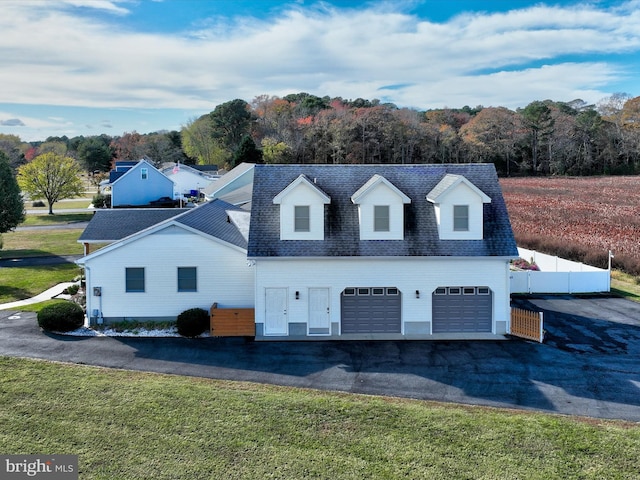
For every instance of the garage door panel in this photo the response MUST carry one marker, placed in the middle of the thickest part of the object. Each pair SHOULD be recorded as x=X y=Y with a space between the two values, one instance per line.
x=365 y=312
x=462 y=312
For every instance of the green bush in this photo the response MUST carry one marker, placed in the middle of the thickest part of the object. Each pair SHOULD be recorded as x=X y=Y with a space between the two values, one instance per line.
x=61 y=317
x=38 y=203
x=101 y=201
x=193 y=322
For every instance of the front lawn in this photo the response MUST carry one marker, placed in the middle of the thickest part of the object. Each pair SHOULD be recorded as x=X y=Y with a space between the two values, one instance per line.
x=18 y=283
x=132 y=425
x=34 y=243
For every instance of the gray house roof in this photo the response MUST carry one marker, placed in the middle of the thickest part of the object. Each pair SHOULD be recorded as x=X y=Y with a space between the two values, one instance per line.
x=111 y=225
x=342 y=231
x=213 y=218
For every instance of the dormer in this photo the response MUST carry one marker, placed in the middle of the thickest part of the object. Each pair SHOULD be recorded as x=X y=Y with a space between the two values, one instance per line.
x=380 y=210
x=302 y=210
x=459 y=208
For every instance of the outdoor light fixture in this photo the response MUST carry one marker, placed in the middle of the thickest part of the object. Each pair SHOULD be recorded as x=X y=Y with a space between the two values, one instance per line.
x=297 y=295
x=417 y=293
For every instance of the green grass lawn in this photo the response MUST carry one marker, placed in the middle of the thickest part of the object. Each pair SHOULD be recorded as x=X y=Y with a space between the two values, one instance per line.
x=18 y=283
x=625 y=285
x=130 y=425
x=33 y=220
x=33 y=243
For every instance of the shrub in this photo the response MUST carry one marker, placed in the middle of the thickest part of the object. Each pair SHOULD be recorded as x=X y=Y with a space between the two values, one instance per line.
x=193 y=322
x=72 y=289
x=61 y=317
x=38 y=203
x=101 y=201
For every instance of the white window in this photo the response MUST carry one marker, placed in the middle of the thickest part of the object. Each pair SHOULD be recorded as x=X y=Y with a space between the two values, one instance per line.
x=302 y=220
x=461 y=218
x=381 y=218
x=144 y=173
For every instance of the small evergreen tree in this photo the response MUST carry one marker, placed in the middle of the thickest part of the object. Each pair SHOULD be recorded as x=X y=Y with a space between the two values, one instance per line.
x=11 y=204
x=247 y=152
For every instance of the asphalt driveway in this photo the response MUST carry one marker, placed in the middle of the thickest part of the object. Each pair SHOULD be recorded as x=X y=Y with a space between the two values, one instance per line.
x=589 y=364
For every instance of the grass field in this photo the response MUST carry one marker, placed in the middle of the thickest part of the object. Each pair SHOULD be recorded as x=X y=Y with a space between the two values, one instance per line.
x=128 y=425
x=18 y=283
x=35 y=220
x=33 y=243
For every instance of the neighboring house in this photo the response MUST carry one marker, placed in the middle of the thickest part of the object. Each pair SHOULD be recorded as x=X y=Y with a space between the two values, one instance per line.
x=333 y=252
x=380 y=251
x=139 y=185
x=189 y=181
x=234 y=187
x=191 y=260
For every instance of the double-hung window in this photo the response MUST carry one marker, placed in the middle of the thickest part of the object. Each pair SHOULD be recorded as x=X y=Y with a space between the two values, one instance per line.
x=187 y=279
x=134 y=279
x=461 y=218
x=302 y=220
x=381 y=218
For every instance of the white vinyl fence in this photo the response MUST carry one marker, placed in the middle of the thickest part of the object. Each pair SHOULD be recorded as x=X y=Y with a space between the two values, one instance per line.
x=558 y=275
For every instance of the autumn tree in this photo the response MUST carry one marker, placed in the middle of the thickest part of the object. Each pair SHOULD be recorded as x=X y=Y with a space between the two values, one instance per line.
x=11 y=204
x=199 y=143
x=52 y=177
x=13 y=148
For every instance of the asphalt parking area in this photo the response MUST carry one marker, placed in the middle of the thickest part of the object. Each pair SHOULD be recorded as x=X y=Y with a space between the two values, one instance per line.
x=589 y=364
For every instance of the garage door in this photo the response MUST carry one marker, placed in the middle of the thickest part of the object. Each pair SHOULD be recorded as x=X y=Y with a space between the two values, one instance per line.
x=371 y=310
x=462 y=309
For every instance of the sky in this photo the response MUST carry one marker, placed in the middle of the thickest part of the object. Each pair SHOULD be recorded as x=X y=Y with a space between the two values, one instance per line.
x=91 y=67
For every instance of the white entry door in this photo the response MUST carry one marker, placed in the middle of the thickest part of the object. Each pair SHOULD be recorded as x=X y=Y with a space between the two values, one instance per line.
x=275 y=321
x=319 y=317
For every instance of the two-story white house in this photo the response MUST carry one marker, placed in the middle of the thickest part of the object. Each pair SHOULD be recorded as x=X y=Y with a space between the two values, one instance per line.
x=380 y=251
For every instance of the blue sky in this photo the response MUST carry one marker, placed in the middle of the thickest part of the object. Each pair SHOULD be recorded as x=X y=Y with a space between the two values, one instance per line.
x=86 y=67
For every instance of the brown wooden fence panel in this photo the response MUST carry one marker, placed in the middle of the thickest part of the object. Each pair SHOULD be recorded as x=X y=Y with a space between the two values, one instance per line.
x=232 y=322
x=527 y=324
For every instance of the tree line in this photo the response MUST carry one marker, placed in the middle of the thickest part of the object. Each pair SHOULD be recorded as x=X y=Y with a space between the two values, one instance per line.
x=544 y=138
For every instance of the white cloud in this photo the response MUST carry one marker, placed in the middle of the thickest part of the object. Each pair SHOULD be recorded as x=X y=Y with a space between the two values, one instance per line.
x=52 y=55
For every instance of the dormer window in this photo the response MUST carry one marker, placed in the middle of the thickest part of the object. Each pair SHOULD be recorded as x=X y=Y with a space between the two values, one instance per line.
x=380 y=210
x=381 y=218
x=461 y=218
x=302 y=220
x=302 y=210
x=459 y=208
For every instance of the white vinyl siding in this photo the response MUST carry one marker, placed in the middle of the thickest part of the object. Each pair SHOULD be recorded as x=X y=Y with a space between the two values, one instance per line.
x=407 y=275
x=223 y=275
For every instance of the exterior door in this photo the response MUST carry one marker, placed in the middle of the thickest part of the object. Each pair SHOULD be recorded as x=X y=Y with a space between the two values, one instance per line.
x=275 y=321
x=319 y=315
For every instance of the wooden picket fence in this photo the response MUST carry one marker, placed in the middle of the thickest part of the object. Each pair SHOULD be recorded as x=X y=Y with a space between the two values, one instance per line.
x=232 y=322
x=527 y=324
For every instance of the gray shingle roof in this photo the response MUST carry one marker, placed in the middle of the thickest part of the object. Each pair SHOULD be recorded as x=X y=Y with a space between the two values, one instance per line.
x=110 y=225
x=342 y=233
x=212 y=219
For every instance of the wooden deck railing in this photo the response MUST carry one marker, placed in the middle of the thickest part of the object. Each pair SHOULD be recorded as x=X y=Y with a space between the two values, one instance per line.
x=527 y=324
x=232 y=322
